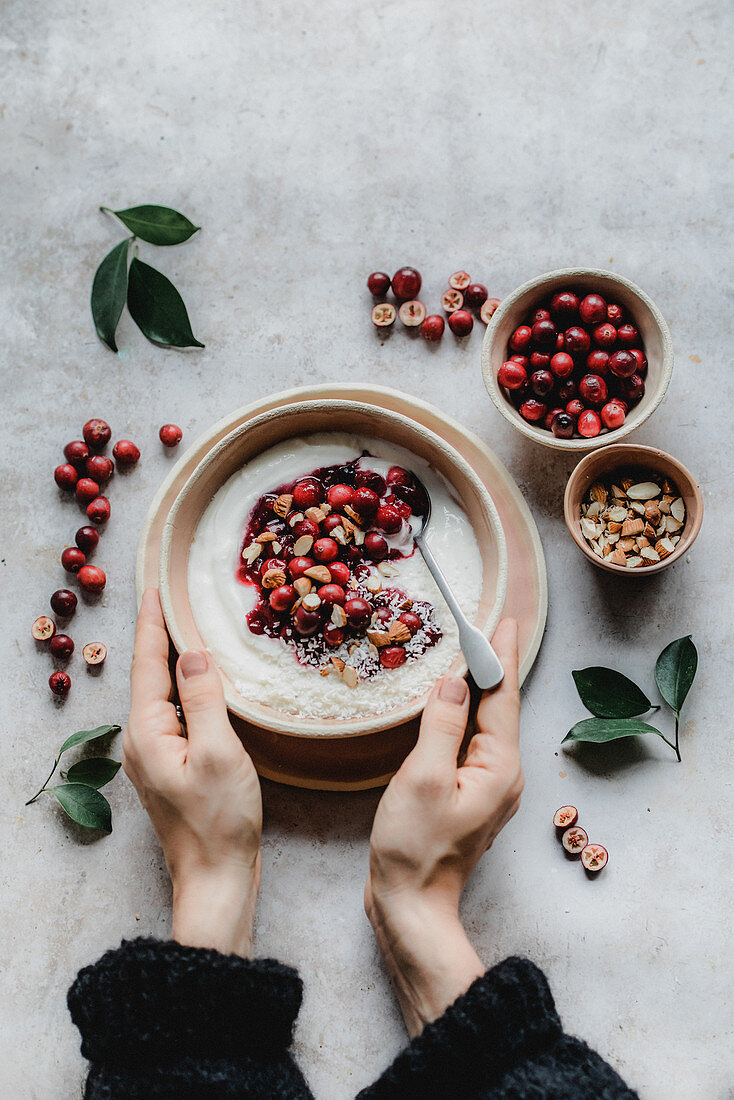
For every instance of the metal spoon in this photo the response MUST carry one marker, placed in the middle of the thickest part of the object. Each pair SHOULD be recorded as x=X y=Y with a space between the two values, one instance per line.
x=483 y=662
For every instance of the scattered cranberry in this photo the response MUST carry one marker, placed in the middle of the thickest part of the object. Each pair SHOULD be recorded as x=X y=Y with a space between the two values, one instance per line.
x=593 y=309
x=392 y=656
x=63 y=603
x=588 y=424
x=594 y=857
x=66 y=476
x=565 y=817
x=331 y=594
x=512 y=375
x=92 y=578
x=605 y=336
x=383 y=315
x=86 y=490
x=562 y=426
x=98 y=510
x=433 y=327
x=282 y=599
x=298 y=566
x=613 y=415
x=94 y=653
x=357 y=611
x=72 y=559
x=333 y=634
x=76 y=452
x=544 y=334
x=475 y=295
x=574 y=839
x=451 y=300
x=593 y=389
x=43 y=628
x=61 y=646
x=388 y=519
x=541 y=315
x=489 y=309
x=542 y=382
x=325 y=550
x=562 y=364
x=622 y=364
x=564 y=306
x=412 y=313
x=170 y=435
x=411 y=620
x=460 y=280
x=339 y=495
x=97 y=434
x=365 y=501
x=576 y=340
x=60 y=683
x=99 y=468
x=406 y=283
x=306 y=622
x=125 y=453
x=307 y=493
x=340 y=573
x=628 y=336
x=521 y=338
x=378 y=283
x=461 y=322
x=533 y=410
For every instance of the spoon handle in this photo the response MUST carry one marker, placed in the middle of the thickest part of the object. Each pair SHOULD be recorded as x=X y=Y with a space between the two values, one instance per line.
x=483 y=662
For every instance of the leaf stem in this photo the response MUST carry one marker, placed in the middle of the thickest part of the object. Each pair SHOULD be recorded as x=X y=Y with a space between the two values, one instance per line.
x=43 y=788
x=677 y=731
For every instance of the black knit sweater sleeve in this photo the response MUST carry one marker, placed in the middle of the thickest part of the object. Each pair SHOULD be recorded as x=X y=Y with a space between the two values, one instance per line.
x=158 y=1019
x=501 y=1039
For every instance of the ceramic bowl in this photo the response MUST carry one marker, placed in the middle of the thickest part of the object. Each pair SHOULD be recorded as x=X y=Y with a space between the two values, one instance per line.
x=513 y=311
x=628 y=457
x=263 y=432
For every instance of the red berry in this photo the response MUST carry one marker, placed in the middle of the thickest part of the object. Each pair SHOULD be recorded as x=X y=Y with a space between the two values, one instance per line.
x=86 y=490
x=72 y=559
x=451 y=300
x=562 y=426
x=542 y=382
x=460 y=280
x=613 y=415
x=576 y=340
x=76 y=452
x=60 y=683
x=541 y=315
x=521 y=337
x=396 y=475
x=282 y=599
x=94 y=653
x=271 y=563
x=125 y=453
x=365 y=501
x=325 y=550
x=565 y=817
x=593 y=309
x=574 y=839
x=475 y=295
x=99 y=468
x=61 y=646
x=533 y=410
x=615 y=314
x=562 y=364
x=339 y=495
x=411 y=620
x=92 y=578
x=489 y=309
x=622 y=364
x=412 y=313
x=593 y=389
x=383 y=315
x=170 y=435
x=539 y=360
x=512 y=375
x=628 y=335
x=63 y=603
x=641 y=360
x=97 y=434
x=388 y=519
x=588 y=424
x=594 y=857
x=632 y=388
x=306 y=622
x=378 y=283
x=375 y=547
x=333 y=634
x=43 y=628
x=370 y=479
x=298 y=566
x=357 y=611
x=331 y=594
x=433 y=327
x=332 y=520
x=406 y=283
x=307 y=493
x=550 y=417
x=98 y=510
x=392 y=656
x=564 y=306
x=544 y=334
x=305 y=527
x=566 y=389
x=340 y=573
x=461 y=322
x=605 y=336
x=523 y=360
x=597 y=362
x=66 y=476
x=575 y=407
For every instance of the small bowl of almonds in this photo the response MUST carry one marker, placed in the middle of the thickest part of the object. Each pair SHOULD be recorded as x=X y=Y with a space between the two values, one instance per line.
x=632 y=509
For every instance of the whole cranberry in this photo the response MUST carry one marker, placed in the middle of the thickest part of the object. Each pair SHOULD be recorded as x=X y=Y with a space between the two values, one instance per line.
x=521 y=337
x=333 y=634
x=397 y=475
x=615 y=314
x=325 y=550
x=76 y=452
x=339 y=495
x=125 y=453
x=588 y=424
x=413 y=622
x=378 y=283
x=305 y=527
x=358 y=612
x=86 y=490
x=512 y=375
x=563 y=426
x=533 y=410
x=392 y=656
x=523 y=360
x=97 y=434
x=628 y=336
x=641 y=361
x=66 y=476
x=461 y=322
x=560 y=341
x=632 y=388
x=539 y=360
x=622 y=364
x=98 y=510
x=388 y=519
x=384 y=615
x=60 y=683
x=566 y=389
x=475 y=295
x=605 y=336
x=271 y=563
x=562 y=364
x=334 y=519
x=332 y=593
x=597 y=362
x=99 y=468
x=575 y=407
x=306 y=622
x=365 y=501
x=63 y=603
x=340 y=573
x=92 y=578
x=593 y=309
x=613 y=415
x=541 y=315
x=298 y=566
x=61 y=646
x=576 y=340
x=406 y=283
x=544 y=334
x=593 y=389
x=375 y=547
x=282 y=599
x=550 y=417
x=307 y=493
x=170 y=435
x=370 y=479
x=87 y=539
x=72 y=559
x=432 y=328
x=564 y=305
x=542 y=382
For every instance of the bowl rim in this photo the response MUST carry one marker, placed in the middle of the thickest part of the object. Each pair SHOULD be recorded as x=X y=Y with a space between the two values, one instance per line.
x=540 y=435
x=615 y=453
x=282 y=721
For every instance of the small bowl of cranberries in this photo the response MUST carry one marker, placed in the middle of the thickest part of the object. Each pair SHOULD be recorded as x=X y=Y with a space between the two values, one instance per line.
x=577 y=358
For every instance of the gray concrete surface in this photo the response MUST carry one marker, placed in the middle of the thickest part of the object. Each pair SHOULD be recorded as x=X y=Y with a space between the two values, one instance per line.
x=315 y=143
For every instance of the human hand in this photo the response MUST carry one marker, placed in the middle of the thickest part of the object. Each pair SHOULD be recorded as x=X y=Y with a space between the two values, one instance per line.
x=434 y=823
x=202 y=793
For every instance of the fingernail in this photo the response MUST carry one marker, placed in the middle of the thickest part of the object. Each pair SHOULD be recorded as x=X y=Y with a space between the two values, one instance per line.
x=192 y=663
x=453 y=689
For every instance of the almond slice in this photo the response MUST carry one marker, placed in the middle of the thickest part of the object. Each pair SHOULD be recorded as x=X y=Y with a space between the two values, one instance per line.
x=637 y=507
x=665 y=548
x=377 y=637
x=316 y=515
x=265 y=536
x=618 y=557
x=644 y=490
x=295 y=518
x=311 y=601
x=634 y=562
x=373 y=583
x=594 y=510
x=318 y=573
x=358 y=536
x=399 y=632
x=590 y=530
x=678 y=509
x=387 y=569
x=672 y=524
x=338 y=664
x=276 y=548
x=617 y=514
x=302 y=586
x=598 y=493
x=354 y=515
x=340 y=535
x=338 y=616
x=632 y=527
x=302 y=545
x=324 y=670
x=350 y=677
x=649 y=554
x=282 y=505
x=273 y=578
x=251 y=552
x=405 y=605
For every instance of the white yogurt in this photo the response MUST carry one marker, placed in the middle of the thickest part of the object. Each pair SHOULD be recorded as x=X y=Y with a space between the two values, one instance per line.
x=266 y=669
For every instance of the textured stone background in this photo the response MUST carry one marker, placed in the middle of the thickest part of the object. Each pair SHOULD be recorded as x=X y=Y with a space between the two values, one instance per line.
x=314 y=143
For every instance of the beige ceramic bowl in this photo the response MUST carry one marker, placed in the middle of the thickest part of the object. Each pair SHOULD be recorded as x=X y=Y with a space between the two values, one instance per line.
x=623 y=458
x=268 y=429
x=614 y=288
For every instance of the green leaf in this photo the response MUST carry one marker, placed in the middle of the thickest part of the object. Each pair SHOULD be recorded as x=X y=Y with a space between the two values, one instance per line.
x=108 y=293
x=675 y=671
x=156 y=224
x=85 y=806
x=95 y=771
x=82 y=736
x=609 y=694
x=609 y=729
x=157 y=308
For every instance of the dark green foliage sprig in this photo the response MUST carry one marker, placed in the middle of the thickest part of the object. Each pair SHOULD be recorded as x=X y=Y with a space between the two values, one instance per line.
x=79 y=796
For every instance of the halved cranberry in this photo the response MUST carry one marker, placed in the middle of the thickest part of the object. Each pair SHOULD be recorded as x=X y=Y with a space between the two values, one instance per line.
x=476 y=295
x=451 y=300
x=388 y=519
x=521 y=337
x=333 y=634
x=565 y=817
x=594 y=857
x=412 y=313
x=576 y=340
x=99 y=468
x=622 y=364
x=597 y=362
x=628 y=335
x=406 y=283
x=512 y=375
x=383 y=315
x=340 y=573
x=332 y=593
x=72 y=559
x=86 y=490
x=365 y=501
x=413 y=622
x=307 y=493
x=588 y=424
x=370 y=479
x=542 y=382
x=593 y=389
x=562 y=364
x=76 y=452
x=574 y=839
x=489 y=309
x=97 y=434
x=562 y=426
x=357 y=611
x=460 y=280
x=533 y=410
x=544 y=334
x=325 y=550
x=392 y=656
x=564 y=305
x=66 y=476
x=298 y=566
x=378 y=283
x=593 y=309
x=339 y=495
x=613 y=415
x=605 y=336
x=306 y=622
x=43 y=628
x=282 y=599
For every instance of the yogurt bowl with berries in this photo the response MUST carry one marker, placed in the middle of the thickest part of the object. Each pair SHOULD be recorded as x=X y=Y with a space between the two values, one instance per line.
x=290 y=556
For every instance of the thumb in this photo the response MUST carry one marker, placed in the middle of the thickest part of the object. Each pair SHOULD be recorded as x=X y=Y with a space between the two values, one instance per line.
x=444 y=723
x=202 y=697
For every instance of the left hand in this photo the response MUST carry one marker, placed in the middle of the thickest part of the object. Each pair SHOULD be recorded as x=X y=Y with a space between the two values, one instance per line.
x=202 y=793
